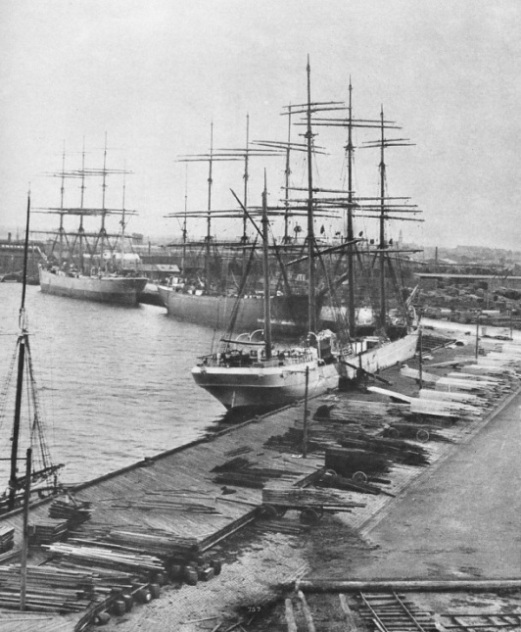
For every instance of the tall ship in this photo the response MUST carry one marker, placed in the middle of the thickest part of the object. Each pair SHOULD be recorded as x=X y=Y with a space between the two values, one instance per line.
x=88 y=264
x=222 y=280
x=245 y=372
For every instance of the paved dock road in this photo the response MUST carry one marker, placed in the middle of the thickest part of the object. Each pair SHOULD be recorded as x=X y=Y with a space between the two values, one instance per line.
x=464 y=520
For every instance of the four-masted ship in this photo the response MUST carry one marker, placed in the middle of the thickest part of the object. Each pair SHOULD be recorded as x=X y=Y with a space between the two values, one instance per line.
x=86 y=264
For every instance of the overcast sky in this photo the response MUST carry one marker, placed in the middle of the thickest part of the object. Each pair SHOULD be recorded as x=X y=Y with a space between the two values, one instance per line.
x=153 y=74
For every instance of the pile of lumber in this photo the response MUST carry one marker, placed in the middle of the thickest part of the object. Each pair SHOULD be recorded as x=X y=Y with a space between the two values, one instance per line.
x=416 y=431
x=107 y=557
x=242 y=473
x=331 y=479
x=308 y=497
x=348 y=461
x=148 y=541
x=6 y=538
x=394 y=449
x=48 y=531
x=47 y=588
x=70 y=509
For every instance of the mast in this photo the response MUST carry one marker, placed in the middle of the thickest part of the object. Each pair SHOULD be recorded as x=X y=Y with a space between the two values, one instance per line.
x=103 y=209
x=349 y=228
x=287 y=174
x=383 y=298
x=123 y=222
x=62 y=196
x=209 y=207
x=267 y=298
x=312 y=325
x=82 y=202
x=22 y=342
x=246 y=178
x=183 y=255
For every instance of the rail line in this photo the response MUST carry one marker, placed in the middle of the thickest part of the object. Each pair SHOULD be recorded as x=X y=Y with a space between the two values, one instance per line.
x=391 y=612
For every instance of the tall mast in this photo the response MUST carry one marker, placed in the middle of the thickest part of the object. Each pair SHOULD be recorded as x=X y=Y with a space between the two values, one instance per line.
x=383 y=298
x=123 y=219
x=311 y=236
x=62 y=200
x=267 y=298
x=103 y=208
x=22 y=342
x=349 y=231
x=82 y=202
x=209 y=208
x=246 y=177
x=183 y=256
x=287 y=174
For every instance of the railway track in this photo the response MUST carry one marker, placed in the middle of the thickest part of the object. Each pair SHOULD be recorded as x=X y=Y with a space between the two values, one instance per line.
x=392 y=612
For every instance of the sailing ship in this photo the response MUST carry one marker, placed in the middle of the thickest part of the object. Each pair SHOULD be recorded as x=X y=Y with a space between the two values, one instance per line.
x=41 y=474
x=264 y=379
x=247 y=373
x=88 y=265
x=205 y=297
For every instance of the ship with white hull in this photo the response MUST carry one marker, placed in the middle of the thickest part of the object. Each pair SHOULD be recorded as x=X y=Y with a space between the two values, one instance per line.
x=106 y=289
x=86 y=264
x=269 y=383
x=281 y=380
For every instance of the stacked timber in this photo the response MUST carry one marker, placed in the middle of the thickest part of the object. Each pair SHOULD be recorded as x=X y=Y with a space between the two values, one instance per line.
x=397 y=450
x=48 y=531
x=416 y=431
x=242 y=473
x=107 y=557
x=346 y=462
x=6 y=538
x=75 y=512
x=308 y=497
x=47 y=588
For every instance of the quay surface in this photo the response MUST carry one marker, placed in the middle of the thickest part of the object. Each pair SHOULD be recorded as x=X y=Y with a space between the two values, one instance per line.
x=258 y=558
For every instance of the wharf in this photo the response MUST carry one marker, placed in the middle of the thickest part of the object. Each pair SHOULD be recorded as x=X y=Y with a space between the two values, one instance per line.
x=169 y=491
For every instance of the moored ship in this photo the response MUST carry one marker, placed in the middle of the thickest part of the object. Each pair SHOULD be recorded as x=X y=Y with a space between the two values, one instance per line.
x=120 y=290
x=268 y=377
x=84 y=264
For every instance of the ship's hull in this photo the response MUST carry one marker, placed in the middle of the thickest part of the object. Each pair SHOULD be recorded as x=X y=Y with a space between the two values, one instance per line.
x=118 y=290
x=216 y=310
x=266 y=387
x=273 y=387
x=382 y=356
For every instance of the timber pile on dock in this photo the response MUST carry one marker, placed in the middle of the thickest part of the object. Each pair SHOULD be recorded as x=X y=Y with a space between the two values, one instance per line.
x=129 y=532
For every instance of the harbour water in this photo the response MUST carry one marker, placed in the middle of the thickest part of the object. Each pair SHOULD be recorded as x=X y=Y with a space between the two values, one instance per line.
x=114 y=382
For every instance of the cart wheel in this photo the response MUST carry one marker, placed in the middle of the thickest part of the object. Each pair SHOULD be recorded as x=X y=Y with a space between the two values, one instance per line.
x=270 y=512
x=129 y=601
x=175 y=572
x=143 y=595
x=423 y=435
x=102 y=618
x=190 y=575
x=393 y=433
x=217 y=566
x=118 y=608
x=309 y=516
x=359 y=477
